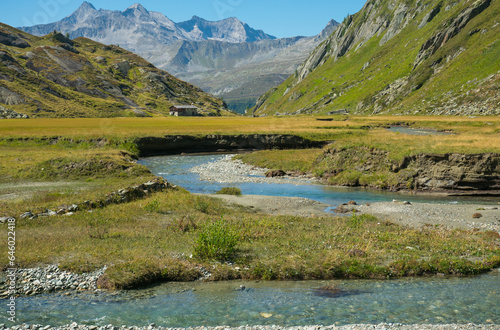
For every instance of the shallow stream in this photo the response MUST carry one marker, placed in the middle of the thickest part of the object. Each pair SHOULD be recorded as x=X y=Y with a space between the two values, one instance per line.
x=435 y=300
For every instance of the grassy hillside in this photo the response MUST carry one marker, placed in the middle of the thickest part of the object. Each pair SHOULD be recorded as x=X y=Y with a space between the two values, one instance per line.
x=53 y=76
x=401 y=57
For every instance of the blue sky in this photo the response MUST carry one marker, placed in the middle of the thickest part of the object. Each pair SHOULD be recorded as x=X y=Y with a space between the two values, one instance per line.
x=280 y=18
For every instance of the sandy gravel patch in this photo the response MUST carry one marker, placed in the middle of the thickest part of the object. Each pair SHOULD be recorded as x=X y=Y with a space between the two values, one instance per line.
x=414 y=215
x=449 y=215
x=295 y=206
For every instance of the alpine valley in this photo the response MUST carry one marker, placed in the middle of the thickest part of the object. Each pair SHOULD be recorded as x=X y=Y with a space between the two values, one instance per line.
x=226 y=58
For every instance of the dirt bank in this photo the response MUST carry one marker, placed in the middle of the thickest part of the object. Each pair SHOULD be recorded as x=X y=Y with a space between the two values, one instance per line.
x=453 y=173
x=177 y=144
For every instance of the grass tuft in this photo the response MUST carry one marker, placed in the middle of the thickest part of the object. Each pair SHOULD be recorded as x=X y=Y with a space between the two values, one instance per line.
x=230 y=191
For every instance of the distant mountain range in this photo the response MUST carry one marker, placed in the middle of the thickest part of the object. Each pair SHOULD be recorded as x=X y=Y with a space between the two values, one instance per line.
x=126 y=27
x=54 y=76
x=227 y=58
x=439 y=57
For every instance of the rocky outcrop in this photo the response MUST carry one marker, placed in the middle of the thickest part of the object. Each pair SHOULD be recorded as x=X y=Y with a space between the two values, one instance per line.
x=275 y=173
x=176 y=144
x=9 y=97
x=14 y=40
x=430 y=16
x=11 y=114
x=454 y=171
x=451 y=30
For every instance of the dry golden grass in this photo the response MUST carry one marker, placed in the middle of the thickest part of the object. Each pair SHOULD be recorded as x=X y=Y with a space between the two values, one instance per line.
x=127 y=127
x=471 y=134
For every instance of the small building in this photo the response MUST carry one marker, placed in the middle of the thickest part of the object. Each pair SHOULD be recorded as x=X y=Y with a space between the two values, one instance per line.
x=183 y=110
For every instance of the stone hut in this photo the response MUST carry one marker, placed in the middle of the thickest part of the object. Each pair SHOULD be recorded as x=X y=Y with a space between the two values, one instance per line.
x=183 y=110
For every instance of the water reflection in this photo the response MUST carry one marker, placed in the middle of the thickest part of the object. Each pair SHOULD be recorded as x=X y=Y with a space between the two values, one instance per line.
x=416 y=131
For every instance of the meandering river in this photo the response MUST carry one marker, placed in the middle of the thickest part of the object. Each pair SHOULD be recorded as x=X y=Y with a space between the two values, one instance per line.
x=179 y=170
x=433 y=300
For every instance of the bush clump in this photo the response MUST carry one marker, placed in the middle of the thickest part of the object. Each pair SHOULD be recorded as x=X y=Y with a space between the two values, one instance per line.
x=217 y=240
x=230 y=191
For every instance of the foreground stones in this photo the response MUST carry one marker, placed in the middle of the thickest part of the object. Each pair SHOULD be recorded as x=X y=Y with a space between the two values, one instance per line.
x=31 y=281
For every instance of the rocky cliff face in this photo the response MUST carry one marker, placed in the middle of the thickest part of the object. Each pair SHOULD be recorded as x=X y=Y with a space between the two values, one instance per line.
x=399 y=56
x=225 y=58
x=54 y=76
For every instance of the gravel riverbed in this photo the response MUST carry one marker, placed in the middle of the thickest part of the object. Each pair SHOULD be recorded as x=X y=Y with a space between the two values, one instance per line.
x=448 y=215
x=229 y=170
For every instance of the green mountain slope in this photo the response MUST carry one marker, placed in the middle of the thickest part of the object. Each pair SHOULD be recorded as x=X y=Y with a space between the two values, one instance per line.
x=53 y=76
x=401 y=56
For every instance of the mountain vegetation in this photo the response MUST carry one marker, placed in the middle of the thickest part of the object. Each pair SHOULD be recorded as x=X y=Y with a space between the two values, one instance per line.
x=400 y=57
x=54 y=76
x=226 y=58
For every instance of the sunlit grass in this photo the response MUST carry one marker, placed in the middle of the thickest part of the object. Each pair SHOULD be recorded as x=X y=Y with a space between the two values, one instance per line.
x=470 y=134
x=135 y=241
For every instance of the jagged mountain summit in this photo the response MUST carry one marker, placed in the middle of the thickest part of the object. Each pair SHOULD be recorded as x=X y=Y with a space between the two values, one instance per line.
x=137 y=21
x=54 y=76
x=401 y=57
x=227 y=58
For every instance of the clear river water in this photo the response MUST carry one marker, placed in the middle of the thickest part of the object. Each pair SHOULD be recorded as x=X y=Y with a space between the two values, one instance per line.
x=408 y=301
x=176 y=169
x=431 y=300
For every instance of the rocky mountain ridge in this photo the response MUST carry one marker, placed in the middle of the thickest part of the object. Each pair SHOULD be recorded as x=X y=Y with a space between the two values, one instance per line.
x=54 y=76
x=394 y=56
x=87 y=21
x=226 y=58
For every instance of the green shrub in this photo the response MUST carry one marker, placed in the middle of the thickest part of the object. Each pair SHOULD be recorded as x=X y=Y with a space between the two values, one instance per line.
x=355 y=221
x=217 y=240
x=153 y=206
x=230 y=191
